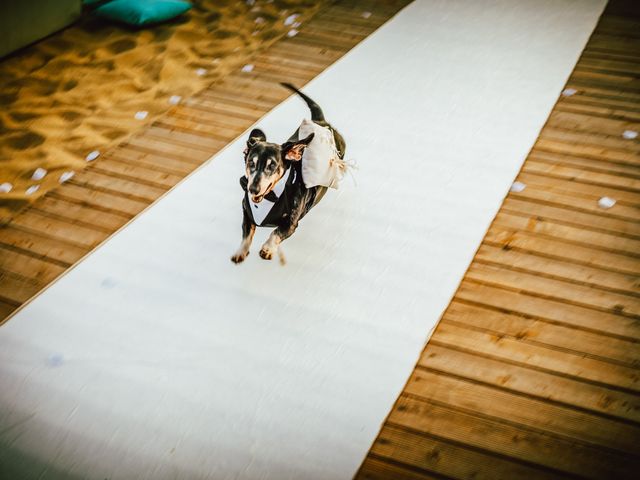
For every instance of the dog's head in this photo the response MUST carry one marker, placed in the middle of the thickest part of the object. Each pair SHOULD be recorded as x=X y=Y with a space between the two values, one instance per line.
x=266 y=162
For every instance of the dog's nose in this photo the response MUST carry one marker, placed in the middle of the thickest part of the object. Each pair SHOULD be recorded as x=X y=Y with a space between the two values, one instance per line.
x=254 y=189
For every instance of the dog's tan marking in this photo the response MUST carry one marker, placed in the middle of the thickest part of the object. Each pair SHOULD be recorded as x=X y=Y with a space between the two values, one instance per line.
x=243 y=250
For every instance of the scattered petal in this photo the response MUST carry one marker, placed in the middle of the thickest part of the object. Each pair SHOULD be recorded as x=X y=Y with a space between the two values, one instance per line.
x=66 y=176
x=366 y=14
x=517 y=187
x=236 y=49
x=175 y=99
x=201 y=71
x=6 y=187
x=296 y=25
x=630 y=134
x=259 y=20
x=32 y=189
x=92 y=156
x=291 y=18
x=247 y=68
x=39 y=174
x=292 y=33
x=606 y=202
x=141 y=115
x=215 y=60
x=255 y=32
x=567 y=92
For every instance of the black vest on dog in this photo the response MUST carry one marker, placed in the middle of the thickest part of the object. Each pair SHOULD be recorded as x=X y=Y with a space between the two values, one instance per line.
x=275 y=208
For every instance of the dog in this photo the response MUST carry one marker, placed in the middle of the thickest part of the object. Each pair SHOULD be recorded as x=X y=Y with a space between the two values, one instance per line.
x=275 y=194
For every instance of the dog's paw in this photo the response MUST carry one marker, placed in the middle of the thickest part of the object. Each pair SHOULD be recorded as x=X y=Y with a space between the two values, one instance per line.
x=266 y=253
x=239 y=257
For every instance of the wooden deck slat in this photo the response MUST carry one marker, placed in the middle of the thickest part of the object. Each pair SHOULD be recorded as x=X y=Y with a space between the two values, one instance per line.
x=533 y=382
x=450 y=458
x=550 y=335
x=40 y=245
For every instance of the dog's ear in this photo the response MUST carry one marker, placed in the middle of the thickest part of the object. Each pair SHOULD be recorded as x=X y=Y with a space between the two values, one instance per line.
x=294 y=150
x=255 y=136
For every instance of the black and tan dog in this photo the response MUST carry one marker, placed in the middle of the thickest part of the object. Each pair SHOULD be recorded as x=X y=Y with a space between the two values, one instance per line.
x=275 y=195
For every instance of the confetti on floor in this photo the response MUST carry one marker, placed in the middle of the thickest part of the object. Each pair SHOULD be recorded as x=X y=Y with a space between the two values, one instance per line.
x=66 y=176
x=567 y=92
x=92 y=156
x=201 y=72
x=39 y=174
x=32 y=189
x=606 y=202
x=6 y=187
x=247 y=68
x=291 y=19
x=141 y=115
x=366 y=14
x=517 y=187
x=175 y=99
x=630 y=134
x=292 y=33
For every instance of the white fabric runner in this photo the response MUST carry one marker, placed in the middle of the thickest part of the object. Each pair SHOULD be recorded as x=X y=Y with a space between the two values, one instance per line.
x=158 y=358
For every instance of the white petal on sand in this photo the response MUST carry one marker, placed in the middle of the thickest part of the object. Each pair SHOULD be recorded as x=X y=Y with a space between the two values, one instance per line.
x=6 y=187
x=39 y=174
x=141 y=115
x=92 y=156
x=66 y=176
x=630 y=134
x=606 y=202
x=32 y=189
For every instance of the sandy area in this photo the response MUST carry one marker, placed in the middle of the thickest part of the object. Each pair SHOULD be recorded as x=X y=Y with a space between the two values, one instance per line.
x=79 y=90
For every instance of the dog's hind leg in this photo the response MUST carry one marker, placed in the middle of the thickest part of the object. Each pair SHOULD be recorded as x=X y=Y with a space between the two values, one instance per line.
x=248 y=229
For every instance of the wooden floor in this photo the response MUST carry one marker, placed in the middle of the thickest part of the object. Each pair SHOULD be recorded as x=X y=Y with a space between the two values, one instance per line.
x=61 y=228
x=534 y=369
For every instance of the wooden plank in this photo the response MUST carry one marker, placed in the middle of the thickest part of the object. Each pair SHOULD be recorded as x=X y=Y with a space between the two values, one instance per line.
x=557 y=312
x=28 y=266
x=558 y=249
x=562 y=337
x=135 y=172
x=81 y=214
x=587 y=138
x=432 y=454
x=100 y=200
x=498 y=346
x=589 y=151
x=67 y=231
x=538 y=415
x=558 y=268
x=584 y=220
x=154 y=161
x=548 y=228
x=157 y=145
x=374 y=469
x=39 y=245
x=535 y=383
x=15 y=289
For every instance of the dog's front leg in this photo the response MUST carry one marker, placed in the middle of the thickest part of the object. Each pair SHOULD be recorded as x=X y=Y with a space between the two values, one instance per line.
x=248 y=229
x=272 y=245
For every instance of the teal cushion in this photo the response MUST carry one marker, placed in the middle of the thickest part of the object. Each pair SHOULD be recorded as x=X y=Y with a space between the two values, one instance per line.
x=142 y=12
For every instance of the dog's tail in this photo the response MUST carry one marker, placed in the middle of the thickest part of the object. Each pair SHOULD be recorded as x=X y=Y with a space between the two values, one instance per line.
x=316 y=111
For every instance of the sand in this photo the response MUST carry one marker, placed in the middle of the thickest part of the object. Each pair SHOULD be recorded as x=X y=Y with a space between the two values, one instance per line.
x=79 y=90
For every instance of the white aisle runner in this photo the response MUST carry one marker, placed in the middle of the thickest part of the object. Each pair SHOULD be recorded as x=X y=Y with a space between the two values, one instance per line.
x=158 y=358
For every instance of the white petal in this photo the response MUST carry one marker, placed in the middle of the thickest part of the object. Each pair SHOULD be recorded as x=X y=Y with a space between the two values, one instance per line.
x=201 y=71
x=38 y=174
x=92 y=156
x=247 y=68
x=175 y=99
x=292 y=33
x=517 y=187
x=366 y=14
x=630 y=134
x=291 y=18
x=567 y=92
x=141 y=115
x=606 y=202
x=6 y=187
x=32 y=189
x=66 y=176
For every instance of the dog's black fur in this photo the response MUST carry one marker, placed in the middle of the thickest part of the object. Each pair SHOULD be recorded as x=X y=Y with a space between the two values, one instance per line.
x=265 y=164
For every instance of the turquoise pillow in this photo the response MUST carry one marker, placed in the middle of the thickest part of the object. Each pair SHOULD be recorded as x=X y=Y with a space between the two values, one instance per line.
x=142 y=12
